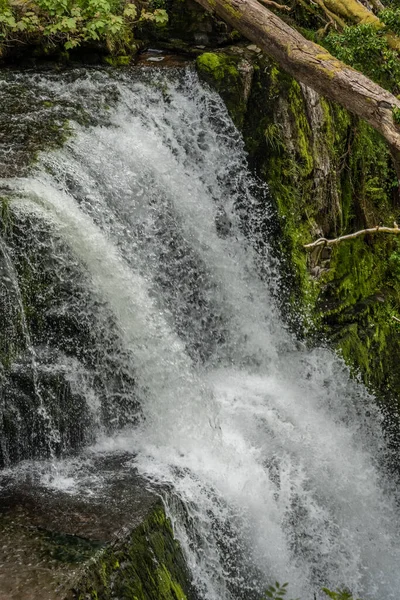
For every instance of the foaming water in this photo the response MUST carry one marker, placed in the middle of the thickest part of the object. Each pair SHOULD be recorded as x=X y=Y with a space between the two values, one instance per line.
x=267 y=454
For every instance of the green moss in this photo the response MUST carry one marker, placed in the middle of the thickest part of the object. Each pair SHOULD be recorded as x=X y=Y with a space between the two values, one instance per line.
x=221 y=71
x=167 y=586
x=303 y=132
x=353 y=298
x=279 y=140
x=211 y=63
x=236 y=14
x=149 y=565
x=118 y=61
x=362 y=293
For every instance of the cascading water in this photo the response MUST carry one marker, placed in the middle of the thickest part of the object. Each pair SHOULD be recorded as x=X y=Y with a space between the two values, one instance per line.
x=267 y=454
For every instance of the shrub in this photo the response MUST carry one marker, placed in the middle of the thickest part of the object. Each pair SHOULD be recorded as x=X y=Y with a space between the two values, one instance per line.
x=366 y=48
x=70 y=23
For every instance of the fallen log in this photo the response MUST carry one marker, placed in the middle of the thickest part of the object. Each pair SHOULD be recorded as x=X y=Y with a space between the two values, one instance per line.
x=312 y=65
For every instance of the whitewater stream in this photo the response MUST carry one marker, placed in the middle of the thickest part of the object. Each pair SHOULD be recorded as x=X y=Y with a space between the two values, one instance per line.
x=268 y=456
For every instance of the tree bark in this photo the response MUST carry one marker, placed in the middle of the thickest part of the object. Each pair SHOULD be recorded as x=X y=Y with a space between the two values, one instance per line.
x=312 y=65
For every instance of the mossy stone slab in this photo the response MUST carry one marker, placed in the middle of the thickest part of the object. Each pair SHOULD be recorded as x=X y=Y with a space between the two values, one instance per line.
x=111 y=542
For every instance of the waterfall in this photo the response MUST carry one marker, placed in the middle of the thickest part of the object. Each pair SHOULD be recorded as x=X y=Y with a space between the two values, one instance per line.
x=268 y=455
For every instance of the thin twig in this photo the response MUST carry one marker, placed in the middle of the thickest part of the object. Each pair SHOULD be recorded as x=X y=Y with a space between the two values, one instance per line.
x=325 y=242
x=396 y=319
x=276 y=5
x=377 y=5
x=329 y=24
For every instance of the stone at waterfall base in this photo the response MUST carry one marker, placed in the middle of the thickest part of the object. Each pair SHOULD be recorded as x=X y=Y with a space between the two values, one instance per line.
x=56 y=545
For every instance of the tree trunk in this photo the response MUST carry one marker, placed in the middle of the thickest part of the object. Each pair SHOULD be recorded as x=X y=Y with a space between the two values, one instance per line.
x=313 y=65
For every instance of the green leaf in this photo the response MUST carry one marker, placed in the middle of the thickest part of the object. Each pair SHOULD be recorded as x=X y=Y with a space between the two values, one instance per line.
x=21 y=26
x=161 y=16
x=332 y=595
x=130 y=11
x=73 y=43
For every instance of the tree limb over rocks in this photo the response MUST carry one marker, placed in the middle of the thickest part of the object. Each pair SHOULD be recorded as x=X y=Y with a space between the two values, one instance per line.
x=312 y=65
x=378 y=229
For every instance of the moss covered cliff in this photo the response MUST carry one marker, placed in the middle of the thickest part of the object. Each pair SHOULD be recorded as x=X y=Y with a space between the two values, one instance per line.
x=329 y=174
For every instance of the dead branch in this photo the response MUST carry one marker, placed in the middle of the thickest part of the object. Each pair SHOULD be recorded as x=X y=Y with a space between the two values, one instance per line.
x=276 y=5
x=332 y=16
x=329 y=24
x=351 y=236
x=377 y=5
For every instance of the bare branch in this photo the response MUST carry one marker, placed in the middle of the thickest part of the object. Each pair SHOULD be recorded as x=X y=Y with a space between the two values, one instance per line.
x=377 y=5
x=332 y=16
x=276 y=5
x=395 y=318
x=378 y=229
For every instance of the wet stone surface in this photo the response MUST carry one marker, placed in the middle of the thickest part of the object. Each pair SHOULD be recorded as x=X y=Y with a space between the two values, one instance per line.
x=49 y=537
x=35 y=116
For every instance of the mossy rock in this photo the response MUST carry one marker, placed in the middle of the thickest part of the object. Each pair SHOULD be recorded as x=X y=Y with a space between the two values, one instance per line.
x=147 y=565
x=115 y=543
x=230 y=74
x=329 y=174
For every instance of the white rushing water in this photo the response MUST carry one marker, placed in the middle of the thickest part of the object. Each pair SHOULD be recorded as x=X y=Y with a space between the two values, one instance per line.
x=269 y=452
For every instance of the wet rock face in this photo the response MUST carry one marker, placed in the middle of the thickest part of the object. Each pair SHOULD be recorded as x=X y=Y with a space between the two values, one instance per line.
x=58 y=383
x=230 y=73
x=43 y=410
x=28 y=123
x=114 y=543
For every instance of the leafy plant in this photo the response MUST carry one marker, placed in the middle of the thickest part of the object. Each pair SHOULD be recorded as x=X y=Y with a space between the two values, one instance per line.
x=366 y=48
x=73 y=22
x=391 y=18
x=339 y=595
x=394 y=263
x=396 y=115
x=279 y=591
x=276 y=592
x=273 y=135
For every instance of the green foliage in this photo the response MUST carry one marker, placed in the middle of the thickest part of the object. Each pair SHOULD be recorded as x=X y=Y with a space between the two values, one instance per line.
x=154 y=4
x=394 y=264
x=339 y=595
x=396 y=115
x=276 y=592
x=273 y=136
x=73 y=22
x=391 y=18
x=366 y=48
